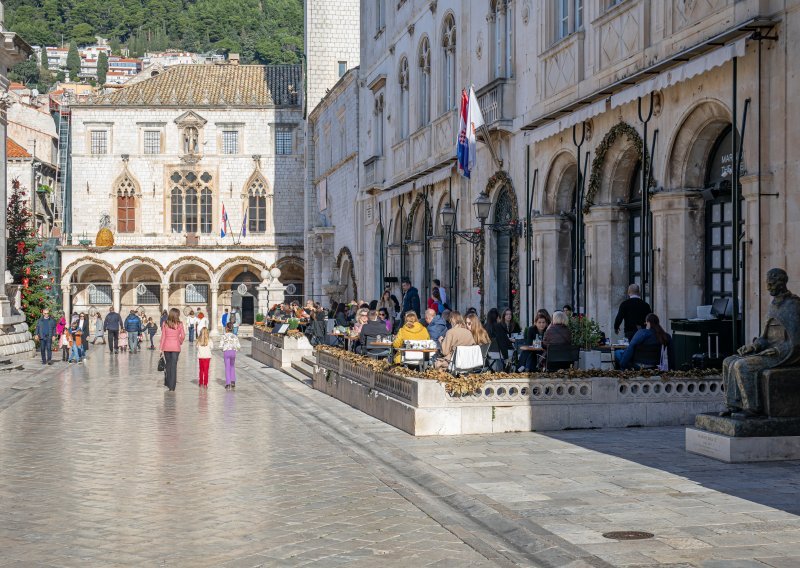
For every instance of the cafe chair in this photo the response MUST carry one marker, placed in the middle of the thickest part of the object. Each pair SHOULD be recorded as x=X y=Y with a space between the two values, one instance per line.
x=376 y=352
x=412 y=358
x=561 y=357
x=466 y=359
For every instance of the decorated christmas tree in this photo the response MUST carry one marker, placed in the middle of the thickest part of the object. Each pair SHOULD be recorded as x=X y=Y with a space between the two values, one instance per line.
x=24 y=257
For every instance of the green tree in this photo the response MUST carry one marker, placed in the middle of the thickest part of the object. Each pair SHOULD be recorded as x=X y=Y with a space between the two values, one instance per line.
x=83 y=34
x=25 y=257
x=26 y=72
x=73 y=62
x=102 y=67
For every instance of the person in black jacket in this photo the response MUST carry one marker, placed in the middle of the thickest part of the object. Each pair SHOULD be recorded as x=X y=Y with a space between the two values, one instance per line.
x=632 y=311
x=111 y=324
x=45 y=331
x=410 y=298
x=503 y=330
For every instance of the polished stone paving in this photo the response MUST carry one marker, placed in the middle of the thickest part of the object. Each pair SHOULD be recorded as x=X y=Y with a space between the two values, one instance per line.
x=99 y=466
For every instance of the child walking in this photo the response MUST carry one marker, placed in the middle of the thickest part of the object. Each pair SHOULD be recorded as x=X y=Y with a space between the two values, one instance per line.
x=204 y=346
x=65 y=342
x=230 y=345
x=123 y=339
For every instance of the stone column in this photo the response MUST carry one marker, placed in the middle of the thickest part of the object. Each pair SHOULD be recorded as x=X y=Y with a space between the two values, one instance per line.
x=214 y=316
x=65 y=301
x=755 y=304
x=116 y=289
x=164 y=296
x=606 y=263
x=679 y=253
x=552 y=254
x=416 y=269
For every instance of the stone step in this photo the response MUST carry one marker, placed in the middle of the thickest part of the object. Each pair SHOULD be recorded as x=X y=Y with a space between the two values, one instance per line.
x=303 y=368
x=310 y=361
x=298 y=376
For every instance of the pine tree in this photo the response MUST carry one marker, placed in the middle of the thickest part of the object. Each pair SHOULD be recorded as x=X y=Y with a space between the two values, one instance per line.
x=73 y=62
x=25 y=257
x=102 y=67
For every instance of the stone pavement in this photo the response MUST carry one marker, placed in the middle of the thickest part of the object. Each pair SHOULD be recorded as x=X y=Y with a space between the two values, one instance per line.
x=99 y=466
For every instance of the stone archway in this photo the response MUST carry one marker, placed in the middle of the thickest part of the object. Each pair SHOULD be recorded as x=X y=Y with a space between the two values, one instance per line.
x=505 y=212
x=345 y=272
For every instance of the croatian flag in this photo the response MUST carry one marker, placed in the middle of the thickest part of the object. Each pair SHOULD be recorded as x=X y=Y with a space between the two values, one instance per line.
x=471 y=118
x=224 y=222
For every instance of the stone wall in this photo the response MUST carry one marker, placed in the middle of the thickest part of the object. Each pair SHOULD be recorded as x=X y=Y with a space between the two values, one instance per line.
x=423 y=407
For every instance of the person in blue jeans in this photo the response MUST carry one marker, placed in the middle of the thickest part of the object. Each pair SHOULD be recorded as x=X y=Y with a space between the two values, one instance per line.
x=644 y=350
x=45 y=331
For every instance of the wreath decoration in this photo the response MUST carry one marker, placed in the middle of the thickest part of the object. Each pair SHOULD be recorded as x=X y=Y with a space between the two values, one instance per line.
x=620 y=129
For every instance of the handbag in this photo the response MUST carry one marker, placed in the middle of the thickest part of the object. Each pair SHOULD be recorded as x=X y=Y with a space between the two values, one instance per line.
x=162 y=363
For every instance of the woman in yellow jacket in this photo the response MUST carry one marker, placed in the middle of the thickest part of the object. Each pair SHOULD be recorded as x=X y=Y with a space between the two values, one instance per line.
x=411 y=330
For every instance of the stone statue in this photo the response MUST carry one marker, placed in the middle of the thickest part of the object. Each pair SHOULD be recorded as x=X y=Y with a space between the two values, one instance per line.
x=778 y=346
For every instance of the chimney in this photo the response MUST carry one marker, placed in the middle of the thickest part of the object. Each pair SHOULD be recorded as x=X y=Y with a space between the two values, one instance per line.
x=233 y=58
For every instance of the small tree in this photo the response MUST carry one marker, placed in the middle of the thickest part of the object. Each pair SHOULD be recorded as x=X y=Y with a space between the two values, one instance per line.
x=73 y=62
x=102 y=68
x=24 y=257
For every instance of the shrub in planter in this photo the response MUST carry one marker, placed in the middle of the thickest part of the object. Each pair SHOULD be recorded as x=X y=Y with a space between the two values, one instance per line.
x=259 y=318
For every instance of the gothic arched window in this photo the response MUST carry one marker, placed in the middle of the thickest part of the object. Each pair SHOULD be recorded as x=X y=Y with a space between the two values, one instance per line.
x=206 y=210
x=257 y=192
x=449 y=61
x=126 y=205
x=424 y=63
x=192 y=202
x=403 y=79
x=176 y=200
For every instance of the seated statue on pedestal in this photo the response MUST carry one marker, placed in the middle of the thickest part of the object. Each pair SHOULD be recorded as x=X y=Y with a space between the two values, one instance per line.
x=778 y=346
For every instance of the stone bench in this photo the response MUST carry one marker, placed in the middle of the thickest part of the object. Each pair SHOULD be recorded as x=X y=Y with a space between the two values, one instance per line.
x=780 y=391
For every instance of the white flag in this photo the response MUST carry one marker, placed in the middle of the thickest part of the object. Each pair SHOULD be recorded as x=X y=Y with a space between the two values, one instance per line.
x=474 y=121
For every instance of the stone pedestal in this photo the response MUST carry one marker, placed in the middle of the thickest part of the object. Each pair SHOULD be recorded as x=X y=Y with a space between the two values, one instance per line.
x=740 y=440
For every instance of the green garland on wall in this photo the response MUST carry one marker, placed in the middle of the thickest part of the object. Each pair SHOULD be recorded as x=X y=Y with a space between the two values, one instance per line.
x=620 y=129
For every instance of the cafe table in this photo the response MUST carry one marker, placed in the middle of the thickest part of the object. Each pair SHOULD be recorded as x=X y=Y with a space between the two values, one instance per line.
x=426 y=354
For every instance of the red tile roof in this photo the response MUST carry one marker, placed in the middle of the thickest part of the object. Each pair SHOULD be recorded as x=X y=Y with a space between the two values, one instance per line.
x=14 y=150
x=14 y=86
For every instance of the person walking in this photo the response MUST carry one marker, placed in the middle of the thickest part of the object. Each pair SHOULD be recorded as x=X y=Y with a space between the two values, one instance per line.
x=410 y=298
x=632 y=312
x=98 y=330
x=151 y=328
x=191 y=323
x=133 y=327
x=204 y=346
x=237 y=320
x=172 y=336
x=202 y=323
x=225 y=317
x=76 y=355
x=83 y=324
x=164 y=316
x=45 y=331
x=230 y=345
x=112 y=325
x=65 y=342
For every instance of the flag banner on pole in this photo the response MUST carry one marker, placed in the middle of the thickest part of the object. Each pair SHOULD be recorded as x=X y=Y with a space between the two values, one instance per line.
x=224 y=222
x=474 y=121
x=462 y=148
x=244 y=224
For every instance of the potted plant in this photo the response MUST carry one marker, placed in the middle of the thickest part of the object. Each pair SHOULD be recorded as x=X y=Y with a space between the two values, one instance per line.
x=44 y=188
x=586 y=334
x=260 y=318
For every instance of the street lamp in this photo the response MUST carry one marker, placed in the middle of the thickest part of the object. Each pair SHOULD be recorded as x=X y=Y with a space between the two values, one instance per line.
x=482 y=205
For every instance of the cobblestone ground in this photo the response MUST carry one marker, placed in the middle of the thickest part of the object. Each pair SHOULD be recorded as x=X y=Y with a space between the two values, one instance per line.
x=99 y=466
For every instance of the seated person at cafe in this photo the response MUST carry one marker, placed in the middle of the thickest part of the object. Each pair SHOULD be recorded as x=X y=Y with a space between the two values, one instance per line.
x=383 y=316
x=340 y=316
x=644 y=351
x=371 y=329
x=457 y=336
x=315 y=331
x=503 y=330
x=557 y=333
x=632 y=312
x=475 y=327
x=530 y=360
x=436 y=326
x=362 y=317
x=411 y=330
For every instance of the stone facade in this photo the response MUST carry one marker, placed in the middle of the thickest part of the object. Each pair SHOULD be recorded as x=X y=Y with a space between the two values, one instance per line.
x=138 y=167
x=537 y=73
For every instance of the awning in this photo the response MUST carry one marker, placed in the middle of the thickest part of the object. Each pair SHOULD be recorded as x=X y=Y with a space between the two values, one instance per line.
x=572 y=119
x=682 y=72
x=428 y=179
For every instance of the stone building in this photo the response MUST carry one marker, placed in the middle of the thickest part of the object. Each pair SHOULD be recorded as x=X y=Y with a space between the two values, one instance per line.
x=335 y=232
x=14 y=335
x=540 y=68
x=332 y=211
x=158 y=162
